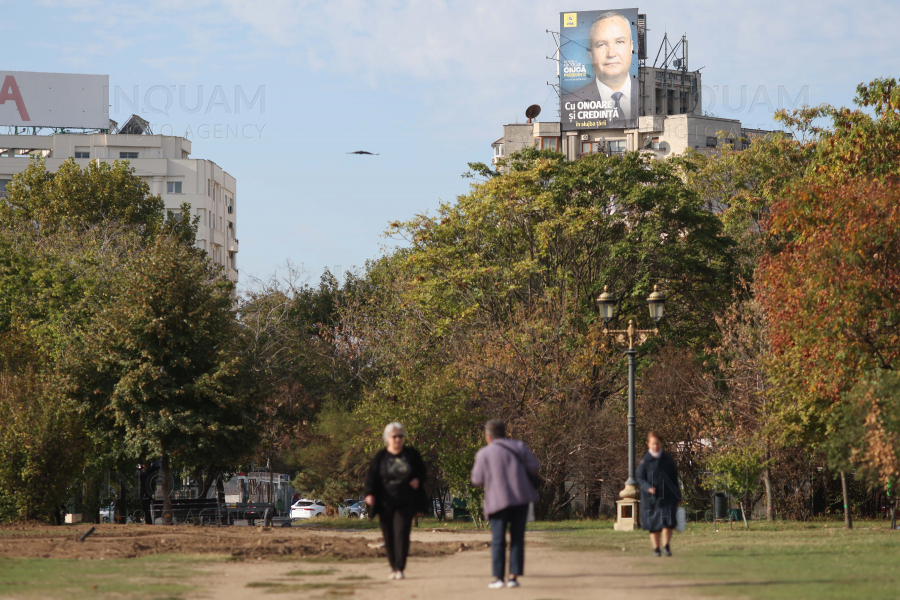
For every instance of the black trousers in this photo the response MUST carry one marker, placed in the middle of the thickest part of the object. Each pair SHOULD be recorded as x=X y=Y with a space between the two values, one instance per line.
x=396 y=524
x=515 y=517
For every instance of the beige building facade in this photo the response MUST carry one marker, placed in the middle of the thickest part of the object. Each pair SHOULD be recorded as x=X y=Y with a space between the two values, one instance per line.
x=162 y=161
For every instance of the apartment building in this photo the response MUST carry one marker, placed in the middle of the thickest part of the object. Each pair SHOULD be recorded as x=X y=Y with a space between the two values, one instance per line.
x=162 y=161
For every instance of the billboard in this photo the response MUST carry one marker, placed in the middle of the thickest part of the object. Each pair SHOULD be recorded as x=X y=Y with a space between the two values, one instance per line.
x=598 y=74
x=54 y=100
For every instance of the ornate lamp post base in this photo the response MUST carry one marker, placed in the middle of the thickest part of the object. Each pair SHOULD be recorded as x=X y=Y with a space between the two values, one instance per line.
x=628 y=509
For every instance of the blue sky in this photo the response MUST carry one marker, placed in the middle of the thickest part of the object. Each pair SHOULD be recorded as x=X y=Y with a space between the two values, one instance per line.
x=427 y=85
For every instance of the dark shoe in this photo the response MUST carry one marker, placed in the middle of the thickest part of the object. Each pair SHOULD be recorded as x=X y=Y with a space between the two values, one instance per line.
x=667 y=551
x=656 y=552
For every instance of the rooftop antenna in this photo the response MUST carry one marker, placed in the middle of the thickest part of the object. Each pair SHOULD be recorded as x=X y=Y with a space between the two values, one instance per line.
x=532 y=112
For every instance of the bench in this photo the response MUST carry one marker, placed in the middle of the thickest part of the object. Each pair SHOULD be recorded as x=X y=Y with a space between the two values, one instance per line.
x=192 y=510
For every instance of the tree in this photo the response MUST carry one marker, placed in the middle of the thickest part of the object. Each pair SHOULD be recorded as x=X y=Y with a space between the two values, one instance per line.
x=491 y=304
x=161 y=367
x=866 y=434
x=71 y=196
x=41 y=444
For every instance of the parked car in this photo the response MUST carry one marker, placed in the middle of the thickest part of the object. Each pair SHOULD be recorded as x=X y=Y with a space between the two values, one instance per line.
x=307 y=509
x=355 y=510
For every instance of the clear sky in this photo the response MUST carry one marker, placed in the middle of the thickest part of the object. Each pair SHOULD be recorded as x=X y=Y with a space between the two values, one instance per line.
x=427 y=85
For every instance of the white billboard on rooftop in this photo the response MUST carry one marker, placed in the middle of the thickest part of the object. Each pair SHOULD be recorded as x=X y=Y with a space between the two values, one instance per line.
x=67 y=100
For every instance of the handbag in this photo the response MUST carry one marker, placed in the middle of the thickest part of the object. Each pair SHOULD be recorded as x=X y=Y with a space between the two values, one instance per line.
x=536 y=480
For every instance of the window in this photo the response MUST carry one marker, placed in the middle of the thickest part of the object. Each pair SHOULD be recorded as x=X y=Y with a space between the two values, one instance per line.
x=230 y=209
x=590 y=147
x=82 y=155
x=712 y=141
x=3 y=183
x=173 y=187
x=617 y=146
x=655 y=144
x=546 y=143
x=128 y=154
x=209 y=191
x=498 y=150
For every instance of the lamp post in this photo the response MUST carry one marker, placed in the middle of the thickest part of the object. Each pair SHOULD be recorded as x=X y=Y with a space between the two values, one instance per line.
x=628 y=508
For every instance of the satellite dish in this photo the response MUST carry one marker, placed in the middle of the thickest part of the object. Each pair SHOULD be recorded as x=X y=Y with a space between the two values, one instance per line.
x=532 y=112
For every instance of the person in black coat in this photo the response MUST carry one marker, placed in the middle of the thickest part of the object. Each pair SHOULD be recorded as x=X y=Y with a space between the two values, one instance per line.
x=395 y=491
x=660 y=494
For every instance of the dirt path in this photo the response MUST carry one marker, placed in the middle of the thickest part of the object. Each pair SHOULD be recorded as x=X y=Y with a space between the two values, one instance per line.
x=551 y=574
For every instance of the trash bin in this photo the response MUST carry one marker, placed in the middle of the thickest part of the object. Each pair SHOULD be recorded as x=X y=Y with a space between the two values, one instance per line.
x=735 y=514
x=720 y=505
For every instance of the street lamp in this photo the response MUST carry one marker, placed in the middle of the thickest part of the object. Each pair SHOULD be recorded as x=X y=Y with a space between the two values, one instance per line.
x=628 y=508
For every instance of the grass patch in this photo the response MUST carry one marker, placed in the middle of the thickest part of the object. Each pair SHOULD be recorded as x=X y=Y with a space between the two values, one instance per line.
x=782 y=560
x=353 y=578
x=75 y=579
x=312 y=572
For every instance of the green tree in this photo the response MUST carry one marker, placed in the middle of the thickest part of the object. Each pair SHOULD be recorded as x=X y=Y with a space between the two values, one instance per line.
x=161 y=367
x=494 y=297
x=41 y=442
x=72 y=196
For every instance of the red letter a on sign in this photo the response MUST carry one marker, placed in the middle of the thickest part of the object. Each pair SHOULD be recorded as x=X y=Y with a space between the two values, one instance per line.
x=10 y=91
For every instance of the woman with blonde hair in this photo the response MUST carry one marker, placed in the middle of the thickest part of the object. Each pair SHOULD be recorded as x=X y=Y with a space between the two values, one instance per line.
x=395 y=491
x=660 y=494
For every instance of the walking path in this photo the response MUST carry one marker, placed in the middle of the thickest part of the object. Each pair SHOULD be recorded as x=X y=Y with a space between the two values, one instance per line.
x=551 y=574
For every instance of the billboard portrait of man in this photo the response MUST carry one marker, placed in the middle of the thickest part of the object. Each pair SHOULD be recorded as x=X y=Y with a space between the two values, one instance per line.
x=609 y=98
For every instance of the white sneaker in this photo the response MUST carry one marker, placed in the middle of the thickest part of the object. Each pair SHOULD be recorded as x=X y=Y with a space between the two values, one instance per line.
x=496 y=584
x=400 y=575
x=393 y=575
x=512 y=583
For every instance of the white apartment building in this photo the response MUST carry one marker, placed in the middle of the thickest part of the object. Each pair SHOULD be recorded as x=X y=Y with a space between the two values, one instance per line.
x=162 y=161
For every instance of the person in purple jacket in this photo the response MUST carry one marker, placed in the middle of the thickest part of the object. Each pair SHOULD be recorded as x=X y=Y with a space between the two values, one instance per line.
x=500 y=468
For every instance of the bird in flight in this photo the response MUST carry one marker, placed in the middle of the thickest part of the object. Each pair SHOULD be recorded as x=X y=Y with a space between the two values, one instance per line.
x=364 y=152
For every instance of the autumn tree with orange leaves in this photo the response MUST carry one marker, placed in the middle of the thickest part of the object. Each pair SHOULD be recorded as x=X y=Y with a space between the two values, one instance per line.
x=832 y=289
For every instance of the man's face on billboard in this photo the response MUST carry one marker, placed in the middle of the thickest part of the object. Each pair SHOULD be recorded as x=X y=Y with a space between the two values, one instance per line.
x=611 y=50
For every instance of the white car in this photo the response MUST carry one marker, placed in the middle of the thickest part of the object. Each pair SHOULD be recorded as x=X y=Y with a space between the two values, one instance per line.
x=307 y=509
x=356 y=509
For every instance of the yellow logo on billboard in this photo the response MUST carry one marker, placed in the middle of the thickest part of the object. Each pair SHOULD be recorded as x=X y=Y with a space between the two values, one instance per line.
x=570 y=19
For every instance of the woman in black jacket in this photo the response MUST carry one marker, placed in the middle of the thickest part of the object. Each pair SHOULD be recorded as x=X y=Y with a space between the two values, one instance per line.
x=660 y=494
x=395 y=491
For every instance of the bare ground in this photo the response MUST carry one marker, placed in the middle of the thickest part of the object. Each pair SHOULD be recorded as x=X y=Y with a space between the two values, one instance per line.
x=242 y=543
x=303 y=562
x=550 y=574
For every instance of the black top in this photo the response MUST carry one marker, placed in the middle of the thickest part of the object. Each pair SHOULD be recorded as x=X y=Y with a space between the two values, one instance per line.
x=659 y=473
x=658 y=510
x=389 y=476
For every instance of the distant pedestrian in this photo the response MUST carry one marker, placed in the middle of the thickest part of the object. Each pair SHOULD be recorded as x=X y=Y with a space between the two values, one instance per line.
x=502 y=468
x=660 y=494
x=395 y=491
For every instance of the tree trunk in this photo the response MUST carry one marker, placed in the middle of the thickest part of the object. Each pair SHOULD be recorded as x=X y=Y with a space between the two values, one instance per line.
x=212 y=475
x=894 y=514
x=166 y=490
x=743 y=514
x=770 y=494
x=848 y=520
